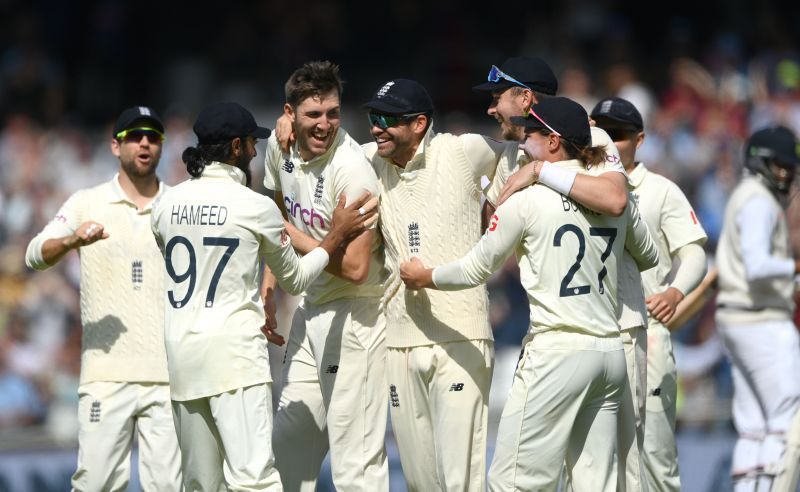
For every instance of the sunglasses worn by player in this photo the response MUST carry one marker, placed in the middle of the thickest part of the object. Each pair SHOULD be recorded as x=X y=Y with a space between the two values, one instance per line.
x=495 y=74
x=384 y=121
x=136 y=134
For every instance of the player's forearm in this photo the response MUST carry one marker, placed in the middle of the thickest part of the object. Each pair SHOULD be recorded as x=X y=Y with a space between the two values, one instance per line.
x=692 y=269
x=268 y=282
x=344 y=263
x=43 y=254
x=606 y=193
x=301 y=242
x=454 y=276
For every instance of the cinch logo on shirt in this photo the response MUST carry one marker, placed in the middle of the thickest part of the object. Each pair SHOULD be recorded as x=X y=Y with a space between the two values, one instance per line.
x=310 y=217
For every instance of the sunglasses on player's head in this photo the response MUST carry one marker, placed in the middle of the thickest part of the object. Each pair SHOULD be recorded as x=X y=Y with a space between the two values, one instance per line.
x=620 y=134
x=384 y=121
x=136 y=134
x=495 y=74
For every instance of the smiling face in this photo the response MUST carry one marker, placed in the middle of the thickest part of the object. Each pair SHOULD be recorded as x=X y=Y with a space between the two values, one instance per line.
x=513 y=101
x=400 y=142
x=138 y=154
x=315 y=120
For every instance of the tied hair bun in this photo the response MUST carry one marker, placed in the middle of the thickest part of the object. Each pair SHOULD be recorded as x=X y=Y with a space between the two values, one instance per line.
x=194 y=160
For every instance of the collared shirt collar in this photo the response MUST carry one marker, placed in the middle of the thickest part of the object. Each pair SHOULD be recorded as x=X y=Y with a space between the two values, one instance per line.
x=220 y=170
x=337 y=140
x=117 y=194
x=637 y=175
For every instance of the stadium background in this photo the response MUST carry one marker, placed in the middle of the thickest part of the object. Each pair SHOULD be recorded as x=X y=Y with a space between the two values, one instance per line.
x=704 y=74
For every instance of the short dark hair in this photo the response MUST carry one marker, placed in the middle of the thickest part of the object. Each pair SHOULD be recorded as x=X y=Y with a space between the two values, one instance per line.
x=314 y=78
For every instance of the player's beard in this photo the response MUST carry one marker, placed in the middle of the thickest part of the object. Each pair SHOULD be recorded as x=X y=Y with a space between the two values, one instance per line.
x=243 y=163
x=136 y=171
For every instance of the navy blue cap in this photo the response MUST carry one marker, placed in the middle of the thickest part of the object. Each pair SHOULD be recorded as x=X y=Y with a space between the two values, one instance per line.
x=136 y=116
x=222 y=122
x=401 y=96
x=532 y=71
x=559 y=114
x=615 y=112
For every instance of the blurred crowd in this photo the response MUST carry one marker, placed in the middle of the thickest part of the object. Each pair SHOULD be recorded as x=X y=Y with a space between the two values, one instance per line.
x=696 y=121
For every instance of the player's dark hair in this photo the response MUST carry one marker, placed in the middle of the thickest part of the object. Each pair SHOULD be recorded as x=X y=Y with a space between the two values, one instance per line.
x=314 y=78
x=196 y=158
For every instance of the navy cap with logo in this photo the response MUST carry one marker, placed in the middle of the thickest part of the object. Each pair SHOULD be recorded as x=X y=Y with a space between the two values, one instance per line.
x=615 y=112
x=401 y=96
x=521 y=71
x=138 y=116
x=222 y=122
x=559 y=115
x=776 y=142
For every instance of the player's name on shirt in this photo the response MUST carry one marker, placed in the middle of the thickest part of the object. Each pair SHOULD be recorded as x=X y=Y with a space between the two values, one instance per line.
x=198 y=215
x=570 y=205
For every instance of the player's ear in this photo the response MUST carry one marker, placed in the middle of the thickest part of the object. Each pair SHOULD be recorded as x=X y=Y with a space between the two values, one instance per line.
x=553 y=142
x=237 y=147
x=639 y=139
x=288 y=110
x=420 y=123
x=115 y=147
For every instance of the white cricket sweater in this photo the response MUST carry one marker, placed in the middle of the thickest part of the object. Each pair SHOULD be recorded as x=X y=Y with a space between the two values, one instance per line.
x=122 y=286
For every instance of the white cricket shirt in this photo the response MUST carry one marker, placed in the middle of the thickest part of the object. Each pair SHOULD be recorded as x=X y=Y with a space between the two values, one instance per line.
x=213 y=230
x=572 y=254
x=311 y=191
x=671 y=220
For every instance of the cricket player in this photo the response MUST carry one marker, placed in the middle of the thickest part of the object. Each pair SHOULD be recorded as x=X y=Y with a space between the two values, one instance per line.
x=123 y=383
x=333 y=394
x=569 y=382
x=679 y=236
x=213 y=230
x=755 y=305
x=520 y=83
x=440 y=351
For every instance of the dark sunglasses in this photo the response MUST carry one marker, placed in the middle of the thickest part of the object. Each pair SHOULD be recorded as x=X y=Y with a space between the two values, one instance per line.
x=136 y=134
x=384 y=121
x=620 y=134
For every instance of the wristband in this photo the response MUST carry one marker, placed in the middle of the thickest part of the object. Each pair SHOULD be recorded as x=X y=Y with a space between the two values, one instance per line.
x=557 y=178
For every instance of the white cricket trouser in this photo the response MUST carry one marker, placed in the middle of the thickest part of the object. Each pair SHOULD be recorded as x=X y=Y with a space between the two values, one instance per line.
x=107 y=415
x=660 y=451
x=766 y=397
x=563 y=404
x=631 y=422
x=439 y=398
x=226 y=441
x=334 y=396
x=788 y=480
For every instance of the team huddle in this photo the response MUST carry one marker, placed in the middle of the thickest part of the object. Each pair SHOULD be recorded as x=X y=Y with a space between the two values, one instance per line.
x=389 y=245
